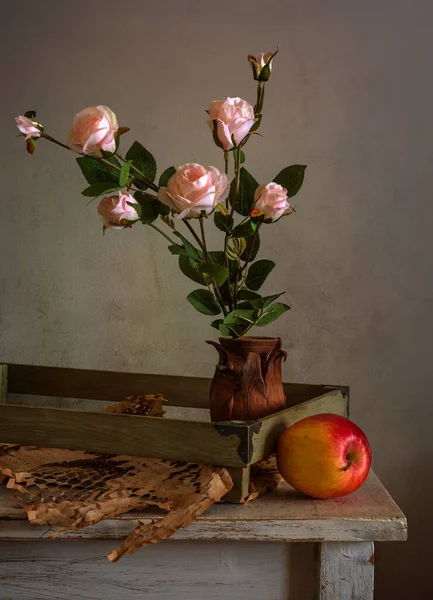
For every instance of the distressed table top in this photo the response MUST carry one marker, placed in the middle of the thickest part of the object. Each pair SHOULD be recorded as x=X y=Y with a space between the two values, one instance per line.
x=370 y=514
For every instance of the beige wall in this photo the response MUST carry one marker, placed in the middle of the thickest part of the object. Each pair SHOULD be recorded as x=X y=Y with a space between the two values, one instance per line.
x=351 y=96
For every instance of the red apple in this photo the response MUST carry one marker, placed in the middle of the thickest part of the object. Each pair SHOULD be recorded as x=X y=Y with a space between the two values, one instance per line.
x=324 y=456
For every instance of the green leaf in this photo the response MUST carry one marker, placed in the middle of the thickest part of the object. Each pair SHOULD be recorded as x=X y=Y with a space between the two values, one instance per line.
x=248 y=295
x=265 y=301
x=189 y=268
x=214 y=271
x=291 y=178
x=235 y=155
x=204 y=301
x=224 y=331
x=124 y=173
x=96 y=171
x=175 y=249
x=144 y=161
x=272 y=313
x=97 y=189
x=257 y=123
x=191 y=250
x=223 y=222
x=241 y=314
x=247 y=187
x=163 y=180
x=252 y=249
x=219 y=324
x=217 y=256
x=257 y=274
x=150 y=207
x=245 y=230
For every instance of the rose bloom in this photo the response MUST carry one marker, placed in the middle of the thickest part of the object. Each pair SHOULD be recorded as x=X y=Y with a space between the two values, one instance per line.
x=259 y=63
x=93 y=130
x=193 y=189
x=271 y=200
x=115 y=211
x=234 y=117
x=28 y=127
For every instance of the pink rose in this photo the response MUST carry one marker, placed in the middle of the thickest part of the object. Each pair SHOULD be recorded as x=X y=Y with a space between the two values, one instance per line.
x=28 y=127
x=115 y=211
x=93 y=130
x=193 y=189
x=271 y=200
x=234 y=117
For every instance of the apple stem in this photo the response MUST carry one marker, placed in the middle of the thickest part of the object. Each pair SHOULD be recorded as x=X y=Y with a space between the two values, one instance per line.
x=349 y=463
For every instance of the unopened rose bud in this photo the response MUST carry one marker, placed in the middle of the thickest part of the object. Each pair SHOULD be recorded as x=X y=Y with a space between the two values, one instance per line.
x=271 y=200
x=116 y=211
x=262 y=65
x=28 y=127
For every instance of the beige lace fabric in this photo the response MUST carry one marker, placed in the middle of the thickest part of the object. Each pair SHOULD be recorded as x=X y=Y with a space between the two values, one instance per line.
x=70 y=490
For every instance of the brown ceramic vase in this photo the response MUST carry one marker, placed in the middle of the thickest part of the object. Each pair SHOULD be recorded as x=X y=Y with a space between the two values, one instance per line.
x=247 y=384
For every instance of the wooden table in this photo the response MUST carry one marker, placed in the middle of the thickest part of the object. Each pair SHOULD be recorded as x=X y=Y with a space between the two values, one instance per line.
x=229 y=553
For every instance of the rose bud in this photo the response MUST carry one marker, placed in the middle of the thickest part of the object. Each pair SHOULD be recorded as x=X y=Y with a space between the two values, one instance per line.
x=231 y=117
x=194 y=190
x=271 y=201
x=28 y=127
x=262 y=65
x=115 y=211
x=93 y=129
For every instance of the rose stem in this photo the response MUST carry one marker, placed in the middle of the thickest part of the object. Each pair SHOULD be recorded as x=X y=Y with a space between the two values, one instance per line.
x=162 y=233
x=214 y=284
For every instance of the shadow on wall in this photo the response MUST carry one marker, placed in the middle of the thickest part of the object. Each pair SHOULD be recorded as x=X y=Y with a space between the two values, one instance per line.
x=398 y=563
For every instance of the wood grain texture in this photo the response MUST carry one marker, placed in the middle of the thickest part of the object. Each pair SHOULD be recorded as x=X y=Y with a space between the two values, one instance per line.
x=3 y=383
x=232 y=444
x=241 y=484
x=115 y=386
x=265 y=440
x=172 y=570
x=150 y=437
x=284 y=514
x=346 y=571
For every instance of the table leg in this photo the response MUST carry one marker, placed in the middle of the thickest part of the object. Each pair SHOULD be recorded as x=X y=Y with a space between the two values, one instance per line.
x=346 y=570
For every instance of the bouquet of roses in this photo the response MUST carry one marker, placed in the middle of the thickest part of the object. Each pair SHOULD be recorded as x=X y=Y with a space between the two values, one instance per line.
x=189 y=195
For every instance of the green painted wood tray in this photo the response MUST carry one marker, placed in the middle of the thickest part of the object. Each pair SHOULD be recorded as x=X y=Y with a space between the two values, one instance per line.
x=236 y=445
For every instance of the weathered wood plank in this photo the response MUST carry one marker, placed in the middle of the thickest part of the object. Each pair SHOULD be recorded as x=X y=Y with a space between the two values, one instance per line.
x=114 y=386
x=346 y=571
x=106 y=385
x=241 y=484
x=123 y=434
x=174 y=570
x=281 y=515
x=306 y=530
x=3 y=383
x=265 y=440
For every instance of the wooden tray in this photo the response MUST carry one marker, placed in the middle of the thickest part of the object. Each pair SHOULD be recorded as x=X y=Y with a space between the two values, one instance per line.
x=234 y=444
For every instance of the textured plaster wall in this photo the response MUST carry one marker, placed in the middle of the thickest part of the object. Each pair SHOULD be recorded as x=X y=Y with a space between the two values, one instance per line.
x=351 y=97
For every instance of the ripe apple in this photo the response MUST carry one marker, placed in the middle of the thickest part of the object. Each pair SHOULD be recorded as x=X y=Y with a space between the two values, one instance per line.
x=324 y=456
